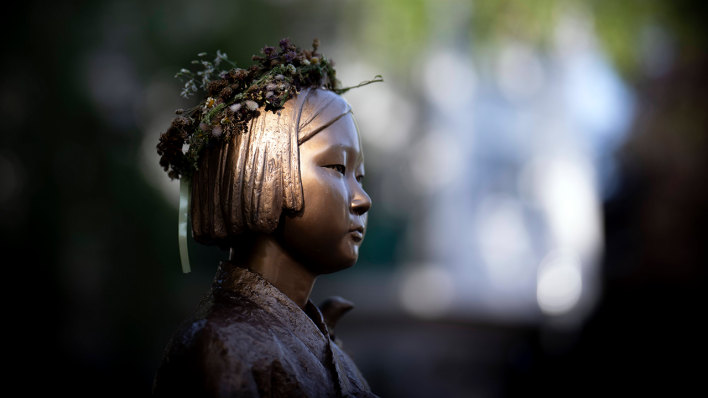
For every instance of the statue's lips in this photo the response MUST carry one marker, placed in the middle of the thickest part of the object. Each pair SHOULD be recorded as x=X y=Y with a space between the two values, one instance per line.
x=357 y=234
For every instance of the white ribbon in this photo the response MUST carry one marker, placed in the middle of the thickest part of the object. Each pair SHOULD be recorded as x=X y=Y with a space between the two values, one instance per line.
x=184 y=196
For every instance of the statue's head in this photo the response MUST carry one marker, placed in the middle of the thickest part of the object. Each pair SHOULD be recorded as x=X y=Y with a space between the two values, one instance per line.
x=273 y=157
x=296 y=175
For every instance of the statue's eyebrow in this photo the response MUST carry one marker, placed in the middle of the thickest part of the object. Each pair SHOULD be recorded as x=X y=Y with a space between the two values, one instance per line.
x=317 y=130
x=313 y=132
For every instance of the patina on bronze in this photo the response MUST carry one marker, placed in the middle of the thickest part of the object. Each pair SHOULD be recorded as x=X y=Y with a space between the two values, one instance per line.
x=286 y=198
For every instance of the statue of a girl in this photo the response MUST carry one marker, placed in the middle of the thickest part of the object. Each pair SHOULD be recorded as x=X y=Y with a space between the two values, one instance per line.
x=278 y=181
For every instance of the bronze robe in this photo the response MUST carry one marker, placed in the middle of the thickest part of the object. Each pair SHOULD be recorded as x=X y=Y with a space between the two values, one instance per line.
x=247 y=339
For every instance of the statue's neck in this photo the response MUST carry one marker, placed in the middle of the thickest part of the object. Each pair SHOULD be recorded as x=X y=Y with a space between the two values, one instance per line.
x=266 y=256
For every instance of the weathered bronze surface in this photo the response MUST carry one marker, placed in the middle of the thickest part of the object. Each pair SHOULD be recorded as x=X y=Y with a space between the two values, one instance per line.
x=286 y=197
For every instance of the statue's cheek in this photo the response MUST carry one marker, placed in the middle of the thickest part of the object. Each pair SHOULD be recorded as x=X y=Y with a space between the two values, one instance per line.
x=331 y=195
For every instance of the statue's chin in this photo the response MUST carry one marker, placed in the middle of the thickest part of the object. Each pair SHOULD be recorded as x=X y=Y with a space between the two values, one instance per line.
x=330 y=267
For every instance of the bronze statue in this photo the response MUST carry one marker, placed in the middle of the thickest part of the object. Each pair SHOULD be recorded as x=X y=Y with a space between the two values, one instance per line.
x=285 y=195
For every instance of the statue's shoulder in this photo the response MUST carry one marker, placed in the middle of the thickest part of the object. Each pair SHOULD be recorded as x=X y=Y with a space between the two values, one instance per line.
x=229 y=322
x=224 y=338
x=240 y=324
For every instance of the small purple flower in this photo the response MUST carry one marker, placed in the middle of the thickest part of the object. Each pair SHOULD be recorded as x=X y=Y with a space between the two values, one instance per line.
x=216 y=131
x=289 y=56
x=284 y=43
x=204 y=127
x=269 y=51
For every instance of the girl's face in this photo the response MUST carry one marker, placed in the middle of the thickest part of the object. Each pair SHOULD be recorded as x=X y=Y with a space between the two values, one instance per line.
x=326 y=234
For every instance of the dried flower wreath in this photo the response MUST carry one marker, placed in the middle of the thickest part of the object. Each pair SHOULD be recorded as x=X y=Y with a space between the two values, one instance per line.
x=234 y=97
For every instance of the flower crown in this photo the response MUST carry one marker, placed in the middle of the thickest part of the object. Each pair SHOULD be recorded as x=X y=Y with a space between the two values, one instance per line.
x=234 y=97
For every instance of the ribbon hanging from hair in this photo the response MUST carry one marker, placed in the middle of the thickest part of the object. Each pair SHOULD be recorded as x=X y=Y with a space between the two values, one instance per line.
x=184 y=195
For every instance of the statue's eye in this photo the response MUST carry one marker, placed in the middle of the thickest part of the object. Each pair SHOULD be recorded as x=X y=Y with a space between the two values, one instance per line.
x=360 y=179
x=338 y=167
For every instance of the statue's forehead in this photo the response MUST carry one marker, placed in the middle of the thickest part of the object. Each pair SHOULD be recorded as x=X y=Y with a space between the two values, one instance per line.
x=340 y=135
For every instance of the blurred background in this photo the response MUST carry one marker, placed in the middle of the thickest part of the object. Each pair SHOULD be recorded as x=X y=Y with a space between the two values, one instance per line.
x=537 y=171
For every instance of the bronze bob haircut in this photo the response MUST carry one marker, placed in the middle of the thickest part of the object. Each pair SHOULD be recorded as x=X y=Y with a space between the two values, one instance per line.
x=244 y=184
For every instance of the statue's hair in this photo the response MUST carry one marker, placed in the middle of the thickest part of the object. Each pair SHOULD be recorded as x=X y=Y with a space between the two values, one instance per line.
x=244 y=184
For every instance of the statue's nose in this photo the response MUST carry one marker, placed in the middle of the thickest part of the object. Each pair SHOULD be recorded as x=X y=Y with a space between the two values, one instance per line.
x=361 y=203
